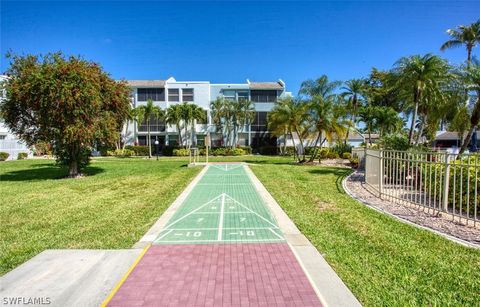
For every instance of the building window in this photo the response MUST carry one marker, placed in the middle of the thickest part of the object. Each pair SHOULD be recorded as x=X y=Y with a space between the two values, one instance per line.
x=259 y=121
x=2 y=137
x=242 y=96
x=156 y=125
x=155 y=94
x=187 y=94
x=264 y=96
x=173 y=94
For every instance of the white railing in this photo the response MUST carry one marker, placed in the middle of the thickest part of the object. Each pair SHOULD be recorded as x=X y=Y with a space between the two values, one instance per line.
x=438 y=182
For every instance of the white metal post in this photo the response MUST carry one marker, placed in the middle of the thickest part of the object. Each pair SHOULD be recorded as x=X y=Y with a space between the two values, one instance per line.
x=446 y=183
x=380 y=176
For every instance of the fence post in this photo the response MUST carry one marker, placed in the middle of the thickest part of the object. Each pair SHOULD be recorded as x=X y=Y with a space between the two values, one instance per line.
x=381 y=173
x=446 y=183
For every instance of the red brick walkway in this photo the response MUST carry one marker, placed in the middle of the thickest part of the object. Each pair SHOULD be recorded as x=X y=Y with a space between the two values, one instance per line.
x=217 y=275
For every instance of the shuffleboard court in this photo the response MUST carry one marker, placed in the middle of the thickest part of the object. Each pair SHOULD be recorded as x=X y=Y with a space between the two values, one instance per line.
x=223 y=207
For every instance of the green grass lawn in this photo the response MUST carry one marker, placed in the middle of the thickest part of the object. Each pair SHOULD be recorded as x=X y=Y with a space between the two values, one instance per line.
x=383 y=261
x=110 y=208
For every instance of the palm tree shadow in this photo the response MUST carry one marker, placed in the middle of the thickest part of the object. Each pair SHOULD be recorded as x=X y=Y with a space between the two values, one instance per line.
x=339 y=173
x=45 y=172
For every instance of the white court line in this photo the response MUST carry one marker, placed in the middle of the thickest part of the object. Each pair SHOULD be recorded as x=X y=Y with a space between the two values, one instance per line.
x=222 y=184
x=251 y=211
x=191 y=212
x=226 y=169
x=275 y=233
x=159 y=238
x=220 y=224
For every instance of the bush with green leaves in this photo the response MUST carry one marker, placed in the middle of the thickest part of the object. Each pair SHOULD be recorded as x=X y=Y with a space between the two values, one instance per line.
x=394 y=141
x=22 y=155
x=121 y=153
x=346 y=155
x=4 y=156
x=138 y=150
x=341 y=148
x=323 y=153
x=181 y=152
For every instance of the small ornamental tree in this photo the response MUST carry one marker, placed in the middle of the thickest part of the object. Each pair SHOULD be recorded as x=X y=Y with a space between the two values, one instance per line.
x=66 y=101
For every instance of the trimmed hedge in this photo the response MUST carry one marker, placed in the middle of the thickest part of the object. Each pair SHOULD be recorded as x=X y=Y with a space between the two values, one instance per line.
x=121 y=153
x=4 y=156
x=181 y=152
x=22 y=156
x=138 y=150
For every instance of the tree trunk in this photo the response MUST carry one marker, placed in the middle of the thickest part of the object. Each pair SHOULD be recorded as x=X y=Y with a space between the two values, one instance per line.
x=416 y=97
x=73 y=169
x=312 y=157
x=301 y=145
x=148 y=140
x=420 y=130
x=285 y=142
x=474 y=120
x=295 y=153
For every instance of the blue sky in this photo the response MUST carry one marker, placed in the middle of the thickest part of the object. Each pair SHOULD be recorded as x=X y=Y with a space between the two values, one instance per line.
x=232 y=41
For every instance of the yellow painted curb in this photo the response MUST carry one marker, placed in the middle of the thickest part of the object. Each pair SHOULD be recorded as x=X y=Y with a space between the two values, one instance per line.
x=125 y=276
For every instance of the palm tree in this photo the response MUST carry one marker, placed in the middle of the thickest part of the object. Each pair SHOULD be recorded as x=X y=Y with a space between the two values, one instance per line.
x=353 y=91
x=147 y=113
x=291 y=114
x=174 y=117
x=221 y=110
x=468 y=36
x=243 y=114
x=471 y=75
x=367 y=115
x=416 y=75
x=131 y=116
x=325 y=117
x=192 y=113
x=320 y=87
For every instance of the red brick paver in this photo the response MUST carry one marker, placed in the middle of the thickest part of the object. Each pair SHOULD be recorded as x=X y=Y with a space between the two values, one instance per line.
x=217 y=275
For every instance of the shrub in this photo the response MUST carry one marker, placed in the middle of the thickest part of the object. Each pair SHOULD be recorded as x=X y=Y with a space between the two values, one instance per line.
x=237 y=152
x=346 y=155
x=181 y=152
x=394 y=141
x=342 y=148
x=121 y=153
x=4 y=156
x=43 y=148
x=333 y=155
x=168 y=150
x=138 y=150
x=22 y=155
x=246 y=149
x=323 y=153
x=354 y=161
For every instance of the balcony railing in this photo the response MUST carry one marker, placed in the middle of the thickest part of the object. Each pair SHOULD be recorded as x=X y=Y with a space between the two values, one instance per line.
x=263 y=98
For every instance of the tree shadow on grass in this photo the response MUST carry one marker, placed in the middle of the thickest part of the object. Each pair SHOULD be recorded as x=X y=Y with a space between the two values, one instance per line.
x=46 y=172
x=340 y=174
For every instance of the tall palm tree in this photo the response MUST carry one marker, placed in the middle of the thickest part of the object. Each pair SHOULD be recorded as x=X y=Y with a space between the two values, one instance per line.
x=146 y=113
x=416 y=75
x=193 y=113
x=320 y=87
x=353 y=91
x=292 y=114
x=242 y=115
x=471 y=75
x=468 y=36
x=326 y=119
x=367 y=115
x=174 y=117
